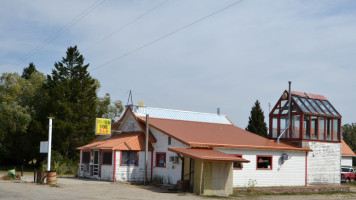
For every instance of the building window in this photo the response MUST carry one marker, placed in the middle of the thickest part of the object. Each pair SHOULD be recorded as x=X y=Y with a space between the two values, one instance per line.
x=169 y=140
x=129 y=158
x=264 y=162
x=86 y=157
x=107 y=158
x=237 y=165
x=160 y=159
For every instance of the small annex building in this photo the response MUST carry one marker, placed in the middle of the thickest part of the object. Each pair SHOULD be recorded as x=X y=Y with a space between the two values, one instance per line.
x=346 y=154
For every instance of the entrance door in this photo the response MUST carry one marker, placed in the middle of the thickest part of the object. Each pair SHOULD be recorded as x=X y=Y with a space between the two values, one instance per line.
x=96 y=164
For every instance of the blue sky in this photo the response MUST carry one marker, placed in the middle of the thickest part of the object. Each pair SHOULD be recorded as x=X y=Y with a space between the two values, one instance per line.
x=247 y=52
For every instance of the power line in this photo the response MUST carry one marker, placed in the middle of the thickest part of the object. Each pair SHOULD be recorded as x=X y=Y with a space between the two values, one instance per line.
x=58 y=33
x=165 y=36
x=126 y=25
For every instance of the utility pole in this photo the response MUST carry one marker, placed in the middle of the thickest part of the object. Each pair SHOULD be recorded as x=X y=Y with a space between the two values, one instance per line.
x=146 y=148
x=49 y=144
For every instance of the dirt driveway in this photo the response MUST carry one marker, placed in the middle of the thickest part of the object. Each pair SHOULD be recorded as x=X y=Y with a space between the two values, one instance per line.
x=77 y=189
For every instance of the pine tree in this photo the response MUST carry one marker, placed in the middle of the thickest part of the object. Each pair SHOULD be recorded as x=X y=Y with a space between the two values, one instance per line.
x=256 y=122
x=73 y=103
x=28 y=71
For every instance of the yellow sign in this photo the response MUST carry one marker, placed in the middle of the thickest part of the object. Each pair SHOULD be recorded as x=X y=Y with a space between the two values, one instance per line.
x=103 y=126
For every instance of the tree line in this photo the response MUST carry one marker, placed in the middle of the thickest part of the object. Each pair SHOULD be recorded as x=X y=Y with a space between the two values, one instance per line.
x=69 y=94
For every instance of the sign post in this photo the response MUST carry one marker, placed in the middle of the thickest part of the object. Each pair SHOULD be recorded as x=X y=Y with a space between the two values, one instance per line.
x=49 y=144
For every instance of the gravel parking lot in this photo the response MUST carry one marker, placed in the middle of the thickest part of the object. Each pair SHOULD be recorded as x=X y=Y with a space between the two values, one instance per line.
x=72 y=188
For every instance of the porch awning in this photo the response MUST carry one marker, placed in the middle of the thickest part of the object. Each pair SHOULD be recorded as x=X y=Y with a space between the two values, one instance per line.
x=207 y=155
x=128 y=141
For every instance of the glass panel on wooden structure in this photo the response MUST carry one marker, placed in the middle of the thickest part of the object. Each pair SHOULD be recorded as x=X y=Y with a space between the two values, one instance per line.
x=296 y=126
x=306 y=130
x=328 y=129
x=275 y=127
x=336 y=130
x=284 y=107
x=307 y=104
x=321 y=105
x=329 y=107
x=300 y=104
x=321 y=128
x=283 y=125
x=314 y=128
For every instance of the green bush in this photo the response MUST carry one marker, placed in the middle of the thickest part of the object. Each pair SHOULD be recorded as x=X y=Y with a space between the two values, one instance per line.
x=61 y=164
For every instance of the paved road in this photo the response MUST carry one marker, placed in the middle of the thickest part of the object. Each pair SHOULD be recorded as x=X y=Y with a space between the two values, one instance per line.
x=77 y=189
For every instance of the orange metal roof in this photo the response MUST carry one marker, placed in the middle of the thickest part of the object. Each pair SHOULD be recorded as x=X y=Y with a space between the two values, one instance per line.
x=200 y=134
x=134 y=141
x=207 y=155
x=346 y=150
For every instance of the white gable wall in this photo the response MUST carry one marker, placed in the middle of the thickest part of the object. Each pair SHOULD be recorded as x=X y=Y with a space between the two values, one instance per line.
x=290 y=173
x=173 y=171
x=129 y=124
x=346 y=161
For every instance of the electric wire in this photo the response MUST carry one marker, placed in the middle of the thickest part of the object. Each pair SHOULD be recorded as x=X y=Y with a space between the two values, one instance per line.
x=165 y=36
x=58 y=33
x=125 y=25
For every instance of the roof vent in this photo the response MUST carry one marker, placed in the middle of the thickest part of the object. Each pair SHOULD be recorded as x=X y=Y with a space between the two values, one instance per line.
x=218 y=111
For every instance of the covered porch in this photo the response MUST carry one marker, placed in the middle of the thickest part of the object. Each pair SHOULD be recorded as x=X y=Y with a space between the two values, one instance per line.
x=208 y=171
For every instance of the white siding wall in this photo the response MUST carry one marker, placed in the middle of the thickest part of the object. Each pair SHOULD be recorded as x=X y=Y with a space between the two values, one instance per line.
x=107 y=172
x=324 y=163
x=173 y=171
x=346 y=161
x=131 y=173
x=290 y=173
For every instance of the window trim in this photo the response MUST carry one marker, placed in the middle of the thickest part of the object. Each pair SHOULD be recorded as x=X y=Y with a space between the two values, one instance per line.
x=102 y=157
x=123 y=164
x=165 y=159
x=237 y=168
x=264 y=156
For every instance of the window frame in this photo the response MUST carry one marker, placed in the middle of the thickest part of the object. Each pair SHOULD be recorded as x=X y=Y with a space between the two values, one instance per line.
x=165 y=159
x=237 y=168
x=264 y=156
x=124 y=164
x=102 y=157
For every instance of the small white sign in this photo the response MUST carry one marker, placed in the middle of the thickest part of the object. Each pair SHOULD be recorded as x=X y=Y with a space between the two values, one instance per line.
x=44 y=147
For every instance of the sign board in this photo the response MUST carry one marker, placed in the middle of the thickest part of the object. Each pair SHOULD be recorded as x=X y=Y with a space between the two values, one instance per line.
x=44 y=147
x=103 y=126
